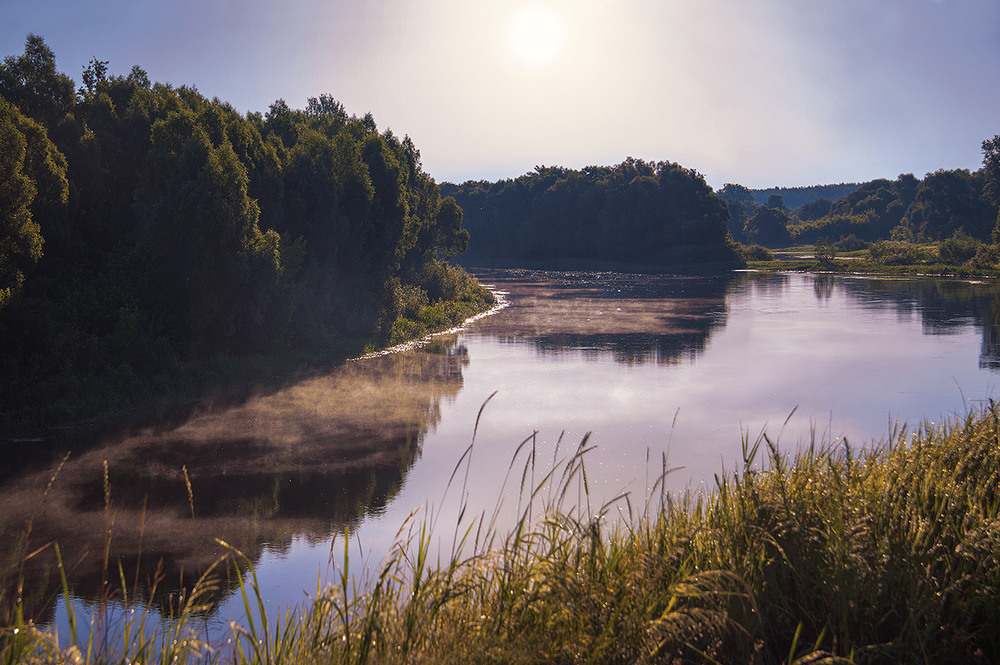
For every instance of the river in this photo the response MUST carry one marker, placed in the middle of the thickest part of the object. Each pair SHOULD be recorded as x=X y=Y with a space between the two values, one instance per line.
x=655 y=372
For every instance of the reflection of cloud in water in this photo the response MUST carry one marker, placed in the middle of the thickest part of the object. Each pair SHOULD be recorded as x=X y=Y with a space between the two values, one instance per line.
x=634 y=318
x=305 y=461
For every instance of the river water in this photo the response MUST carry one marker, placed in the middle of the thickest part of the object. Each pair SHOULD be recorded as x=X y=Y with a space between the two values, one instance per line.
x=654 y=371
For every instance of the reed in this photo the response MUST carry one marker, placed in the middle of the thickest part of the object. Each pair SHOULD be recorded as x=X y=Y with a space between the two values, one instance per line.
x=884 y=554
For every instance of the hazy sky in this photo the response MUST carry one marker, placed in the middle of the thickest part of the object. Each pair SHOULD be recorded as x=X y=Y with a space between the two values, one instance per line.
x=759 y=92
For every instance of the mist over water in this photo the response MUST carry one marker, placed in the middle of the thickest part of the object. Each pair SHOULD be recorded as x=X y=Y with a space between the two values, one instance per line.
x=653 y=368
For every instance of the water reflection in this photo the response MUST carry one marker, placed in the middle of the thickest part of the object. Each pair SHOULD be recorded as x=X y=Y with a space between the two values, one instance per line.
x=636 y=319
x=945 y=306
x=307 y=461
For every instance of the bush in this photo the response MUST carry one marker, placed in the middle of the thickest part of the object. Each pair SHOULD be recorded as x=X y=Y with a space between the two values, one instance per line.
x=958 y=249
x=895 y=253
x=824 y=251
x=755 y=253
x=850 y=243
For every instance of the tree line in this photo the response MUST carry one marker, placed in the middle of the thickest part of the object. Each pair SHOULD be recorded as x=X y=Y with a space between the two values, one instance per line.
x=144 y=225
x=957 y=204
x=637 y=212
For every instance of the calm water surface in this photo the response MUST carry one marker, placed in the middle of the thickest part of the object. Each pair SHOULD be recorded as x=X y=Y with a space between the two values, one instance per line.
x=650 y=366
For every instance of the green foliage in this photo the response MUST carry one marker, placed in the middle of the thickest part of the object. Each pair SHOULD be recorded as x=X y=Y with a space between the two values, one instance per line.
x=896 y=253
x=33 y=187
x=959 y=248
x=769 y=227
x=947 y=201
x=31 y=82
x=755 y=253
x=850 y=243
x=825 y=251
x=635 y=212
x=175 y=230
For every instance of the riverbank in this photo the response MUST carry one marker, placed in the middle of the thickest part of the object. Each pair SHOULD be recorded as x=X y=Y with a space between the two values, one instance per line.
x=875 y=555
x=911 y=260
x=114 y=401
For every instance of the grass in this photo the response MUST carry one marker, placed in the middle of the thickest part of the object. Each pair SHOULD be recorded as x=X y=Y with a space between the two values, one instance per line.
x=887 y=554
x=926 y=262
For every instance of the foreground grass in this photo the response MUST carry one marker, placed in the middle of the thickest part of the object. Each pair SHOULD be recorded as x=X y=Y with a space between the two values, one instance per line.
x=884 y=555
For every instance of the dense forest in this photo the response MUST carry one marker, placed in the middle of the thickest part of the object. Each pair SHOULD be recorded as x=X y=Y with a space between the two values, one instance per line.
x=144 y=227
x=957 y=206
x=635 y=213
x=796 y=197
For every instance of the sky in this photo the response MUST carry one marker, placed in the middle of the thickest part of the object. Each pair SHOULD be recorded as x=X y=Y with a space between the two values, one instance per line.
x=758 y=92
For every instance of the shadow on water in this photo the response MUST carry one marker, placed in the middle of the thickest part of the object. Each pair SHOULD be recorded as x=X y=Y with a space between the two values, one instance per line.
x=304 y=462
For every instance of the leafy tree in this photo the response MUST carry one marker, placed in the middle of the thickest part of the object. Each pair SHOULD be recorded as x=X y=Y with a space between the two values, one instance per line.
x=20 y=235
x=634 y=212
x=33 y=187
x=776 y=201
x=31 y=82
x=814 y=210
x=769 y=227
x=200 y=234
x=947 y=201
x=449 y=236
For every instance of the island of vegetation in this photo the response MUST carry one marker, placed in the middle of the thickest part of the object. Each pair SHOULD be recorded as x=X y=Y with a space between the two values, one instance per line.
x=155 y=242
x=636 y=215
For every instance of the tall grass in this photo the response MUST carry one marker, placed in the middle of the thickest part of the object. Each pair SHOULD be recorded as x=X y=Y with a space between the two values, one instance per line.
x=886 y=554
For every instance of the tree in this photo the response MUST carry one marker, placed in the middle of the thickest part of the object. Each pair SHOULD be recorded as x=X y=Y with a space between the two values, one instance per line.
x=769 y=227
x=450 y=238
x=947 y=201
x=991 y=171
x=211 y=269
x=31 y=82
x=20 y=235
x=94 y=74
x=33 y=192
x=776 y=201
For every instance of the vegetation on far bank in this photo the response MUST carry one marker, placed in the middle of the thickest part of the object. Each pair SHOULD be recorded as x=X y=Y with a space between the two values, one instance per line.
x=958 y=256
x=653 y=214
x=950 y=218
x=883 y=554
x=152 y=239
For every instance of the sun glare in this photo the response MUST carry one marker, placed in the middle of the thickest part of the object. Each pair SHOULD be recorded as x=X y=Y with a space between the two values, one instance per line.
x=536 y=35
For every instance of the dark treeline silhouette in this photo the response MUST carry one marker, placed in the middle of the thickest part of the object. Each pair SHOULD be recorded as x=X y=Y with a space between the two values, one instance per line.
x=796 y=197
x=947 y=205
x=144 y=225
x=637 y=213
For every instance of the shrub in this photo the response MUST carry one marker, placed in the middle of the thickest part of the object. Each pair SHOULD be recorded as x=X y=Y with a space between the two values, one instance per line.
x=895 y=253
x=755 y=253
x=959 y=248
x=850 y=243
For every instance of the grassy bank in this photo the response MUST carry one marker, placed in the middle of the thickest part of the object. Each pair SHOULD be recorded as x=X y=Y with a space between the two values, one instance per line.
x=890 y=258
x=884 y=555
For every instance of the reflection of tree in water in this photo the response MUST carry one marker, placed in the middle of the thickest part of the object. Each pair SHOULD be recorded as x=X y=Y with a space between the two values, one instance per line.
x=632 y=318
x=306 y=461
x=945 y=306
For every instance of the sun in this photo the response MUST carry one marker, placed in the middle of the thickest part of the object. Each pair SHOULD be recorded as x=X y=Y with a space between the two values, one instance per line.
x=536 y=35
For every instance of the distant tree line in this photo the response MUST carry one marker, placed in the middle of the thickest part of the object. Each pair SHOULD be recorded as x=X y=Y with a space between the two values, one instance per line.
x=143 y=225
x=795 y=197
x=944 y=205
x=637 y=212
